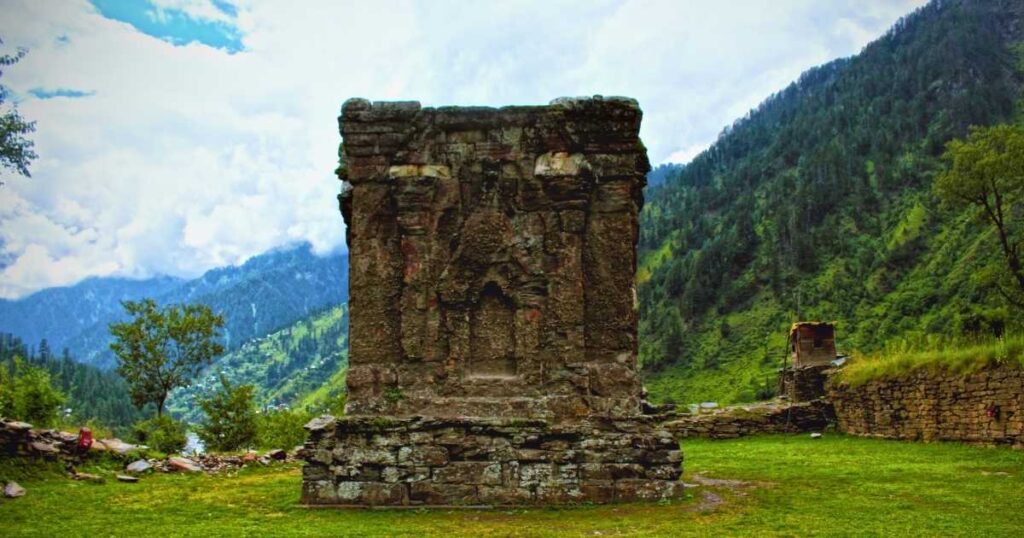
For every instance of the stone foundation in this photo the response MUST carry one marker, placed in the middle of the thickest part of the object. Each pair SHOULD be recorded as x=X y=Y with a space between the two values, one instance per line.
x=381 y=461
x=754 y=419
x=804 y=384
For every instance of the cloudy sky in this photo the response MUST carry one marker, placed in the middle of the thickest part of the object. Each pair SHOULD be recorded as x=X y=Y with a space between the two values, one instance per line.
x=179 y=135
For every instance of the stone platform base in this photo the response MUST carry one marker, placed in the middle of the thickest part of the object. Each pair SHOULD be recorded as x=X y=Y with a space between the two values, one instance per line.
x=378 y=461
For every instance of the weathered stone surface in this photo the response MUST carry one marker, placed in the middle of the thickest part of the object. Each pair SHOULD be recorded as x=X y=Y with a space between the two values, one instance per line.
x=176 y=463
x=765 y=417
x=492 y=256
x=804 y=384
x=493 y=328
x=482 y=461
x=985 y=407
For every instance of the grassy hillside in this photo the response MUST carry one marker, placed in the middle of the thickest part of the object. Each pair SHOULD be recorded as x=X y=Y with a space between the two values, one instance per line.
x=818 y=205
x=784 y=486
x=302 y=366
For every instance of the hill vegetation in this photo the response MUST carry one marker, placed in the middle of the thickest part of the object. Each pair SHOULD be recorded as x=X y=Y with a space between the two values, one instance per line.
x=819 y=205
x=267 y=293
x=92 y=395
x=301 y=367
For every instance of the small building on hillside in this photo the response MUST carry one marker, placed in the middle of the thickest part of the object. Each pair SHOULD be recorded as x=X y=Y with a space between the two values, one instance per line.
x=812 y=343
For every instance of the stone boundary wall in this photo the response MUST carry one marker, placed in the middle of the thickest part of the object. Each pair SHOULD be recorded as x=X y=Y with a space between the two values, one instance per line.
x=986 y=407
x=769 y=417
x=383 y=461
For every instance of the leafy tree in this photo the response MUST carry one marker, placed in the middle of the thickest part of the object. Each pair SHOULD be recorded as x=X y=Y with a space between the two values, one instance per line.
x=230 y=417
x=27 y=393
x=15 y=150
x=281 y=428
x=162 y=433
x=161 y=349
x=987 y=171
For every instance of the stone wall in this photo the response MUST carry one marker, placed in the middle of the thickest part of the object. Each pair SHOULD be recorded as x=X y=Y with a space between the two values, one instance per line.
x=495 y=462
x=742 y=420
x=492 y=258
x=805 y=383
x=985 y=407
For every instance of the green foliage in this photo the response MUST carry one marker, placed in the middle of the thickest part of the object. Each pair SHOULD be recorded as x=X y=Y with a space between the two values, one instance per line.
x=301 y=367
x=27 y=393
x=161 y=433
x=956 y=355
x=987 y=171
x=94 y=396
x=819 y=205
x=15 y=149
x=230 y=422
x=393 y=395
x=281 y=428
x=161 y=349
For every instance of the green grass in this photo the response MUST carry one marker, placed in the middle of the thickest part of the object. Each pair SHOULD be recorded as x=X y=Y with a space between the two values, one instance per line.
x=951 y=356
x=835 y=486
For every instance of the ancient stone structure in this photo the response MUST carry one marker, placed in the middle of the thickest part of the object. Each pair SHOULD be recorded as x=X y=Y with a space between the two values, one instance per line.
x=812 y=343
x=493 y=326
x=804 y=384
x=764 y=417
x=985 y=407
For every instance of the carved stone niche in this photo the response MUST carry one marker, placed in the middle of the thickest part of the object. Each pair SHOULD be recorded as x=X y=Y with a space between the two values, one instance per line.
x=492 y=327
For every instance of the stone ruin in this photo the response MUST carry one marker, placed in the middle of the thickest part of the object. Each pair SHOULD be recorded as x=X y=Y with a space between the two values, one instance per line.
x=493 y=342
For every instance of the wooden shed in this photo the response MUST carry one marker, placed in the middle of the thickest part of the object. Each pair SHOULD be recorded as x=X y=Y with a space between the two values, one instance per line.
x=812 y=343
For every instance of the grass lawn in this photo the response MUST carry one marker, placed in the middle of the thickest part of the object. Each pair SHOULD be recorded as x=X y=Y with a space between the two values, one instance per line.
x=791 y=485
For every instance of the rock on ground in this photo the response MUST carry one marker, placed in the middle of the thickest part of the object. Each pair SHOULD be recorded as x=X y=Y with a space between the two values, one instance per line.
x=183 y=464
x=13 y=489
x=138 y=466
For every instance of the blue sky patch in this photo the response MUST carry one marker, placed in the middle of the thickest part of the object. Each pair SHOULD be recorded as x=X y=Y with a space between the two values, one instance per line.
x=175 y=26
x=47 y=93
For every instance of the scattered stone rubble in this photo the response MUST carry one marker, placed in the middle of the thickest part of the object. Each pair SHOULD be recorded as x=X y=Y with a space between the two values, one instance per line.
x=20 y=439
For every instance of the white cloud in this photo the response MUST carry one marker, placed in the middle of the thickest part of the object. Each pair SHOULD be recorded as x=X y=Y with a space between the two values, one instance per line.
x=199 y=10
x=187 y=157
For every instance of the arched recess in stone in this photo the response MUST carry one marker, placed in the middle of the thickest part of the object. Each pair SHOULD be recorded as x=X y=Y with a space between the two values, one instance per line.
x=492 y=335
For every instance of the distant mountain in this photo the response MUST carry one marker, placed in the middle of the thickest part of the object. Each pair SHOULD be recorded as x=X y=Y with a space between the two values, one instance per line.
x=60 y=314
x=661 y=173
x=266 y=293
x=819 y=205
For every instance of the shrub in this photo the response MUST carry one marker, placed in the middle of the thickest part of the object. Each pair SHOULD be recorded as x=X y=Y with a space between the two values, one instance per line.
x=161 y=433
x=27 y=393
x=230 y=417
x=282 y=428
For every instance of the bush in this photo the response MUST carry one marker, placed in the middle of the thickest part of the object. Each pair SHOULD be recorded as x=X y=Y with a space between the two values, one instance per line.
x=27 y=393
x=282 y=428
x=161 y=433
x=230 y=417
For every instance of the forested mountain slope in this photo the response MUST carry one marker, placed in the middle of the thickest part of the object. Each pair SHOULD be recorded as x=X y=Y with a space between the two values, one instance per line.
x=91 y=393
x=301 y=366
x=818 y=205
x=266 y=293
